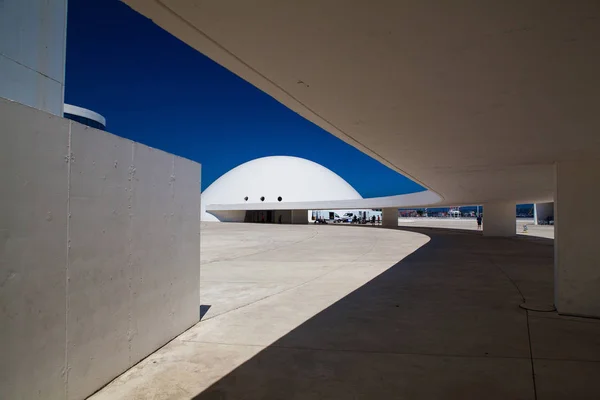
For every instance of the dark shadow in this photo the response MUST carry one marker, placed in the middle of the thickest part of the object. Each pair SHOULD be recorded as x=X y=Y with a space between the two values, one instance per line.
x=203 y=310
x=442 y=323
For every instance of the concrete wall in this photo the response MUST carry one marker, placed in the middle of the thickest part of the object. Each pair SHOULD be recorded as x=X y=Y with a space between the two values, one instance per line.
x=32 y=52
x=99 y=254
x=577 y=253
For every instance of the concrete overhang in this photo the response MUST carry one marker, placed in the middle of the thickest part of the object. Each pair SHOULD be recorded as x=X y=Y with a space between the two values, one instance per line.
x=475 y=100
x=423 y=198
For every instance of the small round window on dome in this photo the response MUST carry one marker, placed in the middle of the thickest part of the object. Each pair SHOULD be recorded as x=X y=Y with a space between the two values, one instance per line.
x=262 y=198
x=246 y=198
x=279 y=198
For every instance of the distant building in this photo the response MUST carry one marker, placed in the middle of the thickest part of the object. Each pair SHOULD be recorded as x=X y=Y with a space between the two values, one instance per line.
x=85 y=116
x=259 y=191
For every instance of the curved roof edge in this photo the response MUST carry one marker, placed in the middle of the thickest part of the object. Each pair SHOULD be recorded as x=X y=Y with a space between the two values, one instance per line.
x=84 y=112
x=165 y=17
x=418 y=199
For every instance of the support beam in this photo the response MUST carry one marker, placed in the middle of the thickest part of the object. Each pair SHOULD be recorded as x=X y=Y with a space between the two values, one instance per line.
x=576 y=249
x=541 y=212
x=389 y=217
x=499 y=219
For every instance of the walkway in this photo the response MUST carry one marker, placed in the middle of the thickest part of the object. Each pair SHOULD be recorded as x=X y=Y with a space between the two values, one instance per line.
x=546 y=231
x=316 y=312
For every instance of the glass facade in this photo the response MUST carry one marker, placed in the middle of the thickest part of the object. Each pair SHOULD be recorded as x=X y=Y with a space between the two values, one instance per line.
x=85 y=121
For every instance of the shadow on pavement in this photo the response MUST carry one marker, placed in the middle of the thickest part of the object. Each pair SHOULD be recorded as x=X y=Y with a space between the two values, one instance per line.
x=443 y=323
x=203 y=310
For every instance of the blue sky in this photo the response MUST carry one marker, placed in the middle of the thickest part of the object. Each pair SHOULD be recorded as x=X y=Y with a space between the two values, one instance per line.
x=154 y=89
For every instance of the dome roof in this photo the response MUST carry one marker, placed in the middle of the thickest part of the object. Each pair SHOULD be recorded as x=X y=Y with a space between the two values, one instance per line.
x=268 y=179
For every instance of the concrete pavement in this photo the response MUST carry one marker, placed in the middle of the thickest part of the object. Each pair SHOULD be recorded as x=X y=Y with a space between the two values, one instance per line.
x=334 y=312
x=546 y=231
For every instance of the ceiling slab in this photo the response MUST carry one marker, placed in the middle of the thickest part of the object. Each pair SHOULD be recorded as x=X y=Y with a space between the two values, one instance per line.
x=475 y=100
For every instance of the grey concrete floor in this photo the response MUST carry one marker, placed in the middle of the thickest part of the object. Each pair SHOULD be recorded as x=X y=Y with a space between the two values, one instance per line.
x=338 y=312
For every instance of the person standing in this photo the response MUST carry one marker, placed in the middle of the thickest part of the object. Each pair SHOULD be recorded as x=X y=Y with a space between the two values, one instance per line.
x=479 y=220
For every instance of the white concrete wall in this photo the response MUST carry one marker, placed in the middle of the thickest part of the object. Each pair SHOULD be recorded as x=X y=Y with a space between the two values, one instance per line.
x=500 y=219
x=32 y=52
x=33 y=253
x=99 y=254
x=576 y=247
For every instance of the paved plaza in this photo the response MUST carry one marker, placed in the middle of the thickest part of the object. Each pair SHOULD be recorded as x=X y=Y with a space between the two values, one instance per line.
x=359 y=312
x=546 y=231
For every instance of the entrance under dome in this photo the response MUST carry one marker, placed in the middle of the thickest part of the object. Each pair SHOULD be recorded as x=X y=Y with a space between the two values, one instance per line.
x=277 y=216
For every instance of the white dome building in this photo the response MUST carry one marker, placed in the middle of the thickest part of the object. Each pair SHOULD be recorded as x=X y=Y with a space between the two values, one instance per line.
x=279 y=180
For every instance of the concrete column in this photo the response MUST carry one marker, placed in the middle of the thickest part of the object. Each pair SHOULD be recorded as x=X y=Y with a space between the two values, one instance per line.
x=543 y=210
x=500 y=219
x=576 y=249
x=389 y=217
x=299 y=216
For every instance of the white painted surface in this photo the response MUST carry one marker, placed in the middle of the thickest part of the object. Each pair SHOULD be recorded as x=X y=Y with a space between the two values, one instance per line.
x=426 y=197
x=301 y=184
x=33 y=253
x=165 y=247
x=499 y=219
x=293 y=179
x=577 y=252
x=99 y=274
x=100 y=254
x=32 y=52
x=84 y=112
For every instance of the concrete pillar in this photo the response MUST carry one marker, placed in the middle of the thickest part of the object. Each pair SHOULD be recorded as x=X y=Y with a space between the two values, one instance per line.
x=299 y=216
x=576 y=249
x=543 y=210
x=33 y=37
x=389 y=217
x=500 y=219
